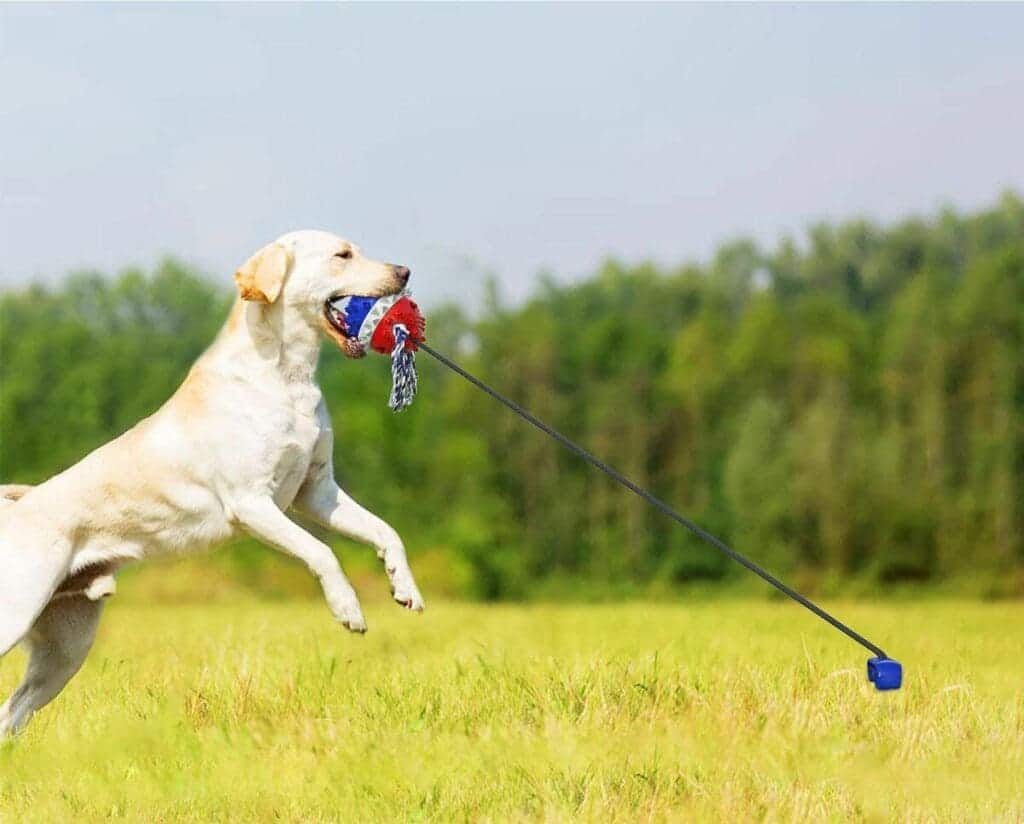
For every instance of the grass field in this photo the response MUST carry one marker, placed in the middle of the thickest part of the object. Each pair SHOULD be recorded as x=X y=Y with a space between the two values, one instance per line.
x=728 y=711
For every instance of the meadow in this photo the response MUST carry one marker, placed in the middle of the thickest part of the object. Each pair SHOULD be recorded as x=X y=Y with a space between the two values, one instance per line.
x=732 y=710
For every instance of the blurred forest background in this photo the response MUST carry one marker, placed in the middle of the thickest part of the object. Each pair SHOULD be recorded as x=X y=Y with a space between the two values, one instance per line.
x=847 y=409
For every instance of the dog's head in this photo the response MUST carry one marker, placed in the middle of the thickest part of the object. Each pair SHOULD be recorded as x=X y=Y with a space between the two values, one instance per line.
x=304 y=271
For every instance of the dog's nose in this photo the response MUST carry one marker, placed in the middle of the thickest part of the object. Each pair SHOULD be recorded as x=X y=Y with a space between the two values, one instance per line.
x=402 y=273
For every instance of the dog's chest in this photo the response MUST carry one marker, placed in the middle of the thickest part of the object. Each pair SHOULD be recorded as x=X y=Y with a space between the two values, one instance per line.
x=296 y=445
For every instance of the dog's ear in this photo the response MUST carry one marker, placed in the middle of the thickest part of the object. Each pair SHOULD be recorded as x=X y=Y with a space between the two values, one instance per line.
x=262 y=276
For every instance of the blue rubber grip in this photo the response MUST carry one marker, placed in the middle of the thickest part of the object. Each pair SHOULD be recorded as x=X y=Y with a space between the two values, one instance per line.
x=885 y=673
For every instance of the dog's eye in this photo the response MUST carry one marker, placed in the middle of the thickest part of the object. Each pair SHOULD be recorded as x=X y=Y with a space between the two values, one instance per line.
x=344 y=255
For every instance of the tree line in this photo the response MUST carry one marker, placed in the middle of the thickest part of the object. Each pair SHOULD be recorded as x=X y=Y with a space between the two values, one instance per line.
x=846 y=408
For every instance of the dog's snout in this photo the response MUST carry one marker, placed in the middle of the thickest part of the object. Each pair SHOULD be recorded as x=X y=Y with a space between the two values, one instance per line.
x=402 y=273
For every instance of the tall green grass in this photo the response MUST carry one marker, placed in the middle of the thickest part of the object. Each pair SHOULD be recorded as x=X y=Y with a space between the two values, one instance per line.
x=728 y=711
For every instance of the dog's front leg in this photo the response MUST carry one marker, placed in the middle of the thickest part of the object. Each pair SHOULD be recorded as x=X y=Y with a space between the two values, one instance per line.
x=263 y=520
x=325 y=502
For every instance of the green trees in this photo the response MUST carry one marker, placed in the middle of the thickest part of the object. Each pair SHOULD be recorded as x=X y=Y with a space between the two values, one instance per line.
x=848 y=408
x=852 y=408
x=84 y=361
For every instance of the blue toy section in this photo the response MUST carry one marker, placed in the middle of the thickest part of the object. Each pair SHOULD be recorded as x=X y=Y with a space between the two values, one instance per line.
x=885 y=673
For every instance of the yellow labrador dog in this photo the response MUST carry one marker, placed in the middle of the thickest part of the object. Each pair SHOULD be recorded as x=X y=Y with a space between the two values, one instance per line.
x=245 y=438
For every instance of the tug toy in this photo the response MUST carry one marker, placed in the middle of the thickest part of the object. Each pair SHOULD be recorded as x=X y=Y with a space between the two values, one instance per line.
x=394 y=324
x=389 y=325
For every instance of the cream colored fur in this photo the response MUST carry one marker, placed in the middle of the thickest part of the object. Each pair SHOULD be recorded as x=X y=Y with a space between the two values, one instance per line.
x=246 y=438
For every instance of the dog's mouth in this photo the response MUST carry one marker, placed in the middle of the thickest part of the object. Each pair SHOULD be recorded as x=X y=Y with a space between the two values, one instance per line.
x=335 y=315
x=334 y=324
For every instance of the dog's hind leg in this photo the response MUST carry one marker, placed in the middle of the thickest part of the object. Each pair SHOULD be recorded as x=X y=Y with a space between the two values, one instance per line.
x=58 y=642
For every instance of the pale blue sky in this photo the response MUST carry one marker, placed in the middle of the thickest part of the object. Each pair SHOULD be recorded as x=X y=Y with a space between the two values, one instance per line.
x=511 y=138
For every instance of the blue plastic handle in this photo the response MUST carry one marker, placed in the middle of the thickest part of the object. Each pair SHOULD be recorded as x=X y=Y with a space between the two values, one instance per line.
x=885 y=673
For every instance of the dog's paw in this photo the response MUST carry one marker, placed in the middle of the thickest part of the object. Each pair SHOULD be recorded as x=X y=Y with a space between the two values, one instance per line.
x=356 y=624
x=353 y=620
x=407 y=595
x=349 y=613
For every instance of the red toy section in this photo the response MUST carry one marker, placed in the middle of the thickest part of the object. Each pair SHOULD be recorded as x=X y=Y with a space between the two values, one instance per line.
x=406 y=312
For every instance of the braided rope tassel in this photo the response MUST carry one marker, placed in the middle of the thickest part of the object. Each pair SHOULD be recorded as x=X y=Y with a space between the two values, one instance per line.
x=403 y=371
